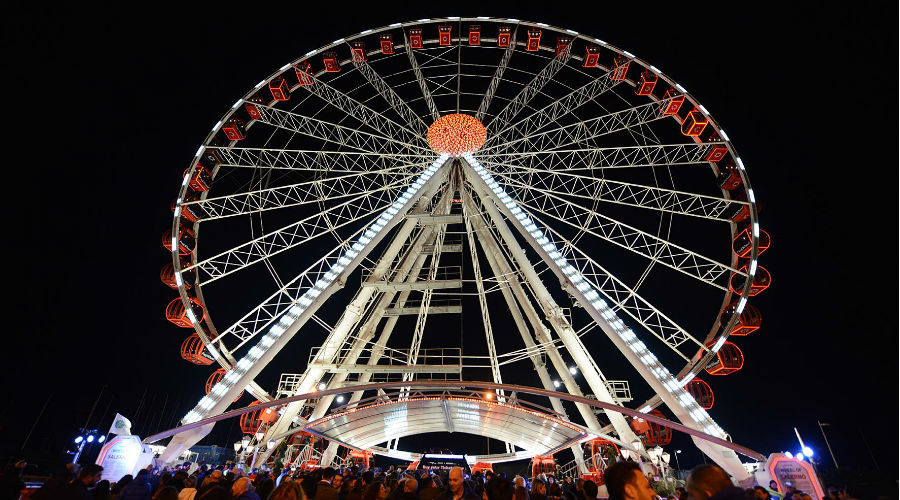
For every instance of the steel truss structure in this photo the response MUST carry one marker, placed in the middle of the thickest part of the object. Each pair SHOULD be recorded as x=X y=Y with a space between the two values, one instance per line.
x=588 y=232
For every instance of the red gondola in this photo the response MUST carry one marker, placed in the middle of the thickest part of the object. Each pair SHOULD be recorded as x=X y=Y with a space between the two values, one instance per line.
x=358 y=51
x=387 y=43
x=534 y=40
x=178 y=315
x=192 y=349
x=251 y=108
x=217 y=377
x=167 y=276
x=415 y=38
x=702 y=392
x=331 y=62
x=694 y=124
x=304 y=73
x=234 y=129
x=201 y=178
x=252 y=421
x=743 y=245
x=717 y=151
x=729 y=359
x=652 y=434
x=563 y=43
x=591 y=57
x=444 y=34
x=647 y=83
x=729 y=177
x=504 y=34
x=474 y=34
x=749 y=321
x=761 y=280
x=185 y=240
x=620 y=68
x=279 y=89
x=672 y=102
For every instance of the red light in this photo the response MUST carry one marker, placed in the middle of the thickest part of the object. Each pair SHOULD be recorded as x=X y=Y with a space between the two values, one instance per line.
x=456 y=134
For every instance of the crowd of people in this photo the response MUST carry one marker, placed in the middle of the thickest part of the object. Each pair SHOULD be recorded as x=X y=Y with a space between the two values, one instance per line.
x=623 y=481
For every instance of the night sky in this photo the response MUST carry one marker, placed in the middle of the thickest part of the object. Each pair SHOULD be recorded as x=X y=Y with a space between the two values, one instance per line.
x=105 y=109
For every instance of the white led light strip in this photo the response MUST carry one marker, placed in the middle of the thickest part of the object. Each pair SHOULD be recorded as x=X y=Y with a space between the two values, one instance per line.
x=650 y=362
x=276 y=330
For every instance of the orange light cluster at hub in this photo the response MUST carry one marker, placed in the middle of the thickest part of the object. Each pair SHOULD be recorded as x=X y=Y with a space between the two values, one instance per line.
x=456 y=134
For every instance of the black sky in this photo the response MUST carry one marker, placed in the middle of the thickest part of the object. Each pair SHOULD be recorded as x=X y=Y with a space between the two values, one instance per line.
x=105 y=109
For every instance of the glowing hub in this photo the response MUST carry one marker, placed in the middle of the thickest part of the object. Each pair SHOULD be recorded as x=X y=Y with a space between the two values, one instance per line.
x=456 y=134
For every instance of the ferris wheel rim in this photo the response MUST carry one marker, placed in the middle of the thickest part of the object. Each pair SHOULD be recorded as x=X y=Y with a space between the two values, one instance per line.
x=226 y=360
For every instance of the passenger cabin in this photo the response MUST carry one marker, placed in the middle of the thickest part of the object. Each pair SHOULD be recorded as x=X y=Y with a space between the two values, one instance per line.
x=717 y=151
x=279 y=88
x=211 y=156
x=415 y=38
x=672 y=102
x=178 y=315
x=534 y=40
x=387 y=43
x=444 y=35
x=201 y=178
x=729 y=359
x=739 y=212
x=647 y=83
x=217 y=377
x=563 y=43
x=258 y=419
x=331 y=62
x=542 y=464
x=761 y=280
x=192 y=349
x=234 y=129
x=748 y=322
x=694 y=124
x=620 y=68
x=591 y=56
x=743 y=244
x=304 y=73
x=729 y=177
x=702 y=393
x=250 y=106
x=651 y=433
x=504 y=34
x=167 y=276
x=185 y=240
x=358 y=51
x=474 y=34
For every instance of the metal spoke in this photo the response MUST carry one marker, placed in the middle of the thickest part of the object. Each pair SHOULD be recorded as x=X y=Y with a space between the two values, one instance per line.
x=640 y=242
x=317 y=190
x=497 y=78
x=581 y=132
x=426 y=94
x=610 y=157
x=555 y=110
x=413 y=121
x=505 y=116
x=293 y=235
x=308 y=160
x=624 y=193
x=337 y=134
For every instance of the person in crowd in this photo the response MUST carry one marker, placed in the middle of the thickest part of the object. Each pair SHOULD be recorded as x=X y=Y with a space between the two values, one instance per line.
x=101 y=491
x=709 y=482
x=375 y=491
x=408 y=489
x=554 y=492
x=680 y=493
x=520 y=493
x=166 y=492
x=457 y=489
x=538 y=490
x=288 y=490
x=242 y=489
x=428 y=490
x=189 y=491
x=324 y=489
x=590 y=490
x=138 y=488
x=625 y=481
x=57 y=482
x=213 y=487
x=88 y=476
x=117 y=487
x=265 y=487
x=761 y=493
x=499 y=488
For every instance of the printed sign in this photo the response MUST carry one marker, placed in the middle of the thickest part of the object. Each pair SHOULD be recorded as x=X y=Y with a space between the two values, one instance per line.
x=119 y=457
x=797 y=472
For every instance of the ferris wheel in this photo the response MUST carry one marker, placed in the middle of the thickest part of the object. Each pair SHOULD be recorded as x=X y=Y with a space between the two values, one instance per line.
x=583 y=206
